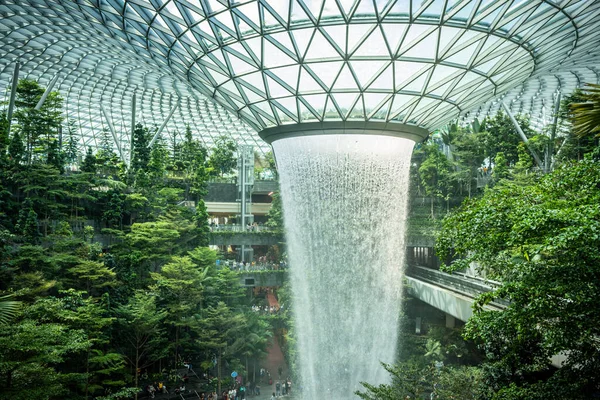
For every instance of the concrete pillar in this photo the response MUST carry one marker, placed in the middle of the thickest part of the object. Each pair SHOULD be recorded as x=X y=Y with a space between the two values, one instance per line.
x=450 y=321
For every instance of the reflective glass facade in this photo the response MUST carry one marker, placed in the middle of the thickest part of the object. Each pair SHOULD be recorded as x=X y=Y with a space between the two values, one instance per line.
x=277 y=62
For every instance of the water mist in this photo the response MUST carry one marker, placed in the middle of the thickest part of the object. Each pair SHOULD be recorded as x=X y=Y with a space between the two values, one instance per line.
x=345 y=204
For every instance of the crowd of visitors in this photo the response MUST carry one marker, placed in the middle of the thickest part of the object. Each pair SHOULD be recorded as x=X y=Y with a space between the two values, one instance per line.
x=260 y=265
x=254 y=227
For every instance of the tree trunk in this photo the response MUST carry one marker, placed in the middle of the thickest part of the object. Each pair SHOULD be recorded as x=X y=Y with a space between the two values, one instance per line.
x=219 y=375
x=176 y=344
x=432 y=214
x=137 y=362
x=254 y=372
x=87 y=374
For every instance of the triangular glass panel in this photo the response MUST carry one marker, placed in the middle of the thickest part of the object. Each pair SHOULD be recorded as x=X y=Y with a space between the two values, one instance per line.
x=317 y=102
x=301 y=39
x=337 y=34
x=248 y=16
x=314 y=7
x=374 y=45
x=448 y=36
x=331 y=111
x=256 y=81
x=425 y=49
x=326 y=72
x=283 y=38
x=373 y=101
x=394 y=34
x=434 y=9
x=413 y=35
x=289 y=75
x=345 y=80
x=274 y=57
x=401 y=103
x=345 y=102
x=331 y=10
x=307 y=83
x=417 y=85
x=405 y=71
x=464 y=56
x=219 y=78
x=382 y=112
x=320 y=49
x=288 y=103
x=400 y=8
x=250 y=95
x=265 y=110
x=366 y=8
x=385 y=80
x=358 y=111
x=464 y=10
x=239 y=66
x=440 y=90
x=283 y=116
x=356 y=33
x=441 y=74
x=271 y=20
x=365 y=70
x=298 y=12
x=275 y=89
x=306 y=113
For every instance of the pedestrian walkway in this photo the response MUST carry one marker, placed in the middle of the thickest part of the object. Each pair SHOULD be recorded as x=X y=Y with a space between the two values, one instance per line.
x=272 y=363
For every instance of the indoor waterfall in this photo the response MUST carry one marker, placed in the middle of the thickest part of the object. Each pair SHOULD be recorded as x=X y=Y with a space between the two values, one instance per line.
x=345 y=205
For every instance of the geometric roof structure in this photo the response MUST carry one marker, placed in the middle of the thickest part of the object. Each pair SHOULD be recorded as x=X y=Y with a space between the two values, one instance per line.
x=238 y=67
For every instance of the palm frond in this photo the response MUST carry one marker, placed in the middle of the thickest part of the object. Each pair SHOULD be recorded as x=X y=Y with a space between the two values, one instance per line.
x=8 y=308
x=586 y=116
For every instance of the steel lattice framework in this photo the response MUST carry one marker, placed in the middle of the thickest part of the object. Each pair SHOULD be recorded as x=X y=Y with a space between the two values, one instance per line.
x=277 y=62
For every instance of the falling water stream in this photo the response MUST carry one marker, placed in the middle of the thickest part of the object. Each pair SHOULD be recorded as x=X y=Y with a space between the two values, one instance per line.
x=344 y=201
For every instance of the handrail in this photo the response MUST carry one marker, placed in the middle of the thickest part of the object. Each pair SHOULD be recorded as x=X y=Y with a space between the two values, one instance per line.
x=457 y=282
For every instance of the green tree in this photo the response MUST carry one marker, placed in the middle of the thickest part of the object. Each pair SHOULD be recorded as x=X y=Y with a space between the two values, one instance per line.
x=30 y=353
x=221 y=334
x=179 y=284
x=222 y=156
x=16 y=149
x=541 y=242
x=71 y=148
x=140 y=322
x=89 y=162
x=435 y=175
x=275 y=213
x=141 y=152
x=157 y=166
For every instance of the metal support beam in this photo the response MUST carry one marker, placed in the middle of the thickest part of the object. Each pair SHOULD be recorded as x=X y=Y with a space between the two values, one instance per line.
x=549 y=164
x=112 y=130
x=133 y=99
x=536 y=157
x=243 y=199
x=159 y=131
x=46 y=93
x=13 y=94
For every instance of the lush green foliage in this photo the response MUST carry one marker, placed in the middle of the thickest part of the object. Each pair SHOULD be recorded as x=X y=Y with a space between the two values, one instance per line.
x=542 y=241
x=103 y=267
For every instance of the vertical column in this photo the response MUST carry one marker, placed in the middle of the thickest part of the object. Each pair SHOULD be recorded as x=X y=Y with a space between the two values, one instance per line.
x=13 y=94
x=133 y=99
x=450 y=321
x=245 y=183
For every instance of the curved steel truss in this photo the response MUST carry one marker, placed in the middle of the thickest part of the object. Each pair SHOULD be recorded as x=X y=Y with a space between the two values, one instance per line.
x=276 y=62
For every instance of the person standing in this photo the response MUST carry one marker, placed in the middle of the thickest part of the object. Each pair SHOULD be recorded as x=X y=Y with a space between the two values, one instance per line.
x=273 y=397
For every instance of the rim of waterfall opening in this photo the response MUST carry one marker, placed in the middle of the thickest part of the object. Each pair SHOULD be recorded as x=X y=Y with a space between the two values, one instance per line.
x=405 y=131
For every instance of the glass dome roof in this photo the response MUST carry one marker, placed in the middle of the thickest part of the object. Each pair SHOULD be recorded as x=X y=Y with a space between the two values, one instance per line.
x=270 y=63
